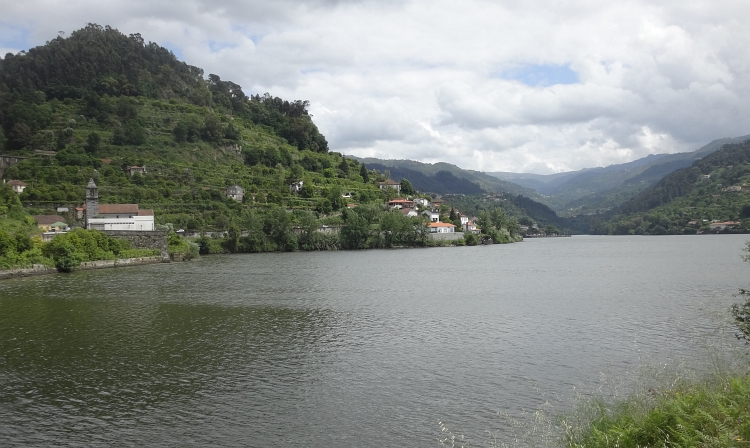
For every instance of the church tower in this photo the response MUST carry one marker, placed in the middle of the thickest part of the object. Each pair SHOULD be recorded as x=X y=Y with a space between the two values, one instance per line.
x=92 y=201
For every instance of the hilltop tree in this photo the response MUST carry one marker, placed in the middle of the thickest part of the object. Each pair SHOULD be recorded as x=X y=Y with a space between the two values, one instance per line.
x=406 y=187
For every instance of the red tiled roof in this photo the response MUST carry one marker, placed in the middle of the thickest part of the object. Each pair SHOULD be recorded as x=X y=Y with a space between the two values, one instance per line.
x=441 y=224
x=106 y=161
x=46 y=220
x=399 y=200
x=15 y=182
x=113 y=209
x=389 y=182
x=145 y=213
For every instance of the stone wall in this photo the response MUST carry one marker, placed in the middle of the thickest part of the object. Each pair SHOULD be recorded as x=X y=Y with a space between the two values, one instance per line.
x=144 y=240
x=448 y=236
x=39 y=269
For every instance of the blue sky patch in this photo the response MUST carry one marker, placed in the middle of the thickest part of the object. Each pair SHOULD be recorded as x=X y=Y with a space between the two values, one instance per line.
x=537 y=75
x=174 y=49
x=16 y=37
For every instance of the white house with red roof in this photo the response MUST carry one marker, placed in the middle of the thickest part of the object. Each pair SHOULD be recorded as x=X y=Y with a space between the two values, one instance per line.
x=442 y=227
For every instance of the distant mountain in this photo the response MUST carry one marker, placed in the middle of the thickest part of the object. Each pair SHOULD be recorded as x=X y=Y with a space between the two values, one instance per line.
x=715 y=187
x=433 y=177
x=593 y=190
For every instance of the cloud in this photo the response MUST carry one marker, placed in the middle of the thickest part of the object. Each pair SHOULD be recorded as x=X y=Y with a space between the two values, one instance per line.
x=531 y=85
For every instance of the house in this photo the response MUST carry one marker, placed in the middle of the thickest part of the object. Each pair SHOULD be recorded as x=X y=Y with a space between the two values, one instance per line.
x=51 y=223
x=718 y=226
x=432 y=215
x=79 y=212
x=409 y=212
x=733 y=188
x=390 y=183
x=296 y=187
x=692 y=223
x=471 y=226
x=437 y=203
x=523 y=228
x=464 y=219
x=62 y=210
x=235 y=192
x=706 y=176
x=17 y=185
x=137 y=169
x=442 y=227
x=401 y=203
x=422 y=202
x=123 y=217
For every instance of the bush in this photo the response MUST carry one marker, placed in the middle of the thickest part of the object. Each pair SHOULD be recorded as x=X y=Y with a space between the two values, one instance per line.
x=471 y=239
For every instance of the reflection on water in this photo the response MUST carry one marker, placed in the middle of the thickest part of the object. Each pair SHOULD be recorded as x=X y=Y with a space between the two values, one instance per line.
x=344 y=348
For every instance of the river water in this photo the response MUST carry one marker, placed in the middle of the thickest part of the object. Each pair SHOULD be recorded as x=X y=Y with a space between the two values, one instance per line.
x=342 y=349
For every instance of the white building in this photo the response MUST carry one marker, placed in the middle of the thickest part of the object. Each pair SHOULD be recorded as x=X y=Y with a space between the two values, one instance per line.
x=390 y=183
x=127 y=217
x=124 y=217
x=442 y=227
x=17 y=186
x=296 y=187
x=235 y=192
x=432 y=215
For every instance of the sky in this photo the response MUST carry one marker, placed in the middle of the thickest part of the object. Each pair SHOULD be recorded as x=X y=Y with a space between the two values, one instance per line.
x=539 y=86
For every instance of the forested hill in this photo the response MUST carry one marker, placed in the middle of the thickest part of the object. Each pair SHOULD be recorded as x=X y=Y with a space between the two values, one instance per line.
x=95 y=103
x=442 y=182
x=96 y=64
x=716 y=187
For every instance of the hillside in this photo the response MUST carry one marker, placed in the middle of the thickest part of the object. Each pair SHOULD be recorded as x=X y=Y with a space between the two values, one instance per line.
x=714 y=188
x=596 y=190
x=97 y=102
x=432 y=177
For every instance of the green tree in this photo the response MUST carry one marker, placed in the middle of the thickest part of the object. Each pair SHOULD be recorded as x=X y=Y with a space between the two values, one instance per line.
x=355 y=231
x=363 y=172
x=344 y=167
x=498 y=218
x=406 y=187
x=134 y=133
x=93 y=142
x=484 y=222
x=64 y=254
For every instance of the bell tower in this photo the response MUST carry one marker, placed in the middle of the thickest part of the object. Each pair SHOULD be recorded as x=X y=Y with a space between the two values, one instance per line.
x=92 y=201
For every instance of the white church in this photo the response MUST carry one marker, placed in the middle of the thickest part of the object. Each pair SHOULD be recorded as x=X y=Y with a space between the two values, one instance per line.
x=122 y=217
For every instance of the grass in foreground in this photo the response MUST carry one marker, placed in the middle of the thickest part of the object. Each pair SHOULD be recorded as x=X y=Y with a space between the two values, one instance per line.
x=711 y=414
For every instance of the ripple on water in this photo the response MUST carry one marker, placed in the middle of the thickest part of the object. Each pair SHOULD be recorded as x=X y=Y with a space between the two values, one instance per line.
x=345 y=348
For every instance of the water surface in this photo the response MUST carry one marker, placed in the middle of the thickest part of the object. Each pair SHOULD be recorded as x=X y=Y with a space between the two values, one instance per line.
x=366 y=348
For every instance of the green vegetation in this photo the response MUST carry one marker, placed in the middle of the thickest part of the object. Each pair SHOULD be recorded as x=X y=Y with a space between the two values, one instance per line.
x=66 y=251
x=714 y=414
x=688 y=200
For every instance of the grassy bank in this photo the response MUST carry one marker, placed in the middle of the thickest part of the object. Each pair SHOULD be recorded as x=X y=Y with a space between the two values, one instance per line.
x=713 y=413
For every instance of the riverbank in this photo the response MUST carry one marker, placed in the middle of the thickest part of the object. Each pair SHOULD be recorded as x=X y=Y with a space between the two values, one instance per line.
x=39 y=269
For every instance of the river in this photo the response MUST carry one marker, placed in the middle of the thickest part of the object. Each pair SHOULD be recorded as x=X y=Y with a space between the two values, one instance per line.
x=341 y=349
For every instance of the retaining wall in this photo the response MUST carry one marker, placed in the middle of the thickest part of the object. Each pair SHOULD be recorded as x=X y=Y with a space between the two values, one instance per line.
x=143 y=240
x=40 y=269
x=448 y=236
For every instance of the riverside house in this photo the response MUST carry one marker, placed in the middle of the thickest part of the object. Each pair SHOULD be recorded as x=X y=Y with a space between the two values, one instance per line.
x=442 y=227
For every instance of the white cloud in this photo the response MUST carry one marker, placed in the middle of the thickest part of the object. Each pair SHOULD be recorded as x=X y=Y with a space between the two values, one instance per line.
x=420 y=79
